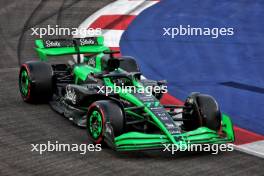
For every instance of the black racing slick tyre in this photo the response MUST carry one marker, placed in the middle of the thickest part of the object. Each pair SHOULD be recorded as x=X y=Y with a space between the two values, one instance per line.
x=35 y=82
x=204 y=112
x=101 y=112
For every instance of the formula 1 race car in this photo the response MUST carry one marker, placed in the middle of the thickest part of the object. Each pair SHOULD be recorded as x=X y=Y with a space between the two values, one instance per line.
x=124 y=120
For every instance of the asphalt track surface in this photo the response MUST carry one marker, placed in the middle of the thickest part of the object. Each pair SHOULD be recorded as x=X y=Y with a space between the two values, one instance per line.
x=22 y=124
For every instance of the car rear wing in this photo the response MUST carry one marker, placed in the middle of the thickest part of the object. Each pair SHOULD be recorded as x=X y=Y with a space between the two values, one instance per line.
x=57 y=47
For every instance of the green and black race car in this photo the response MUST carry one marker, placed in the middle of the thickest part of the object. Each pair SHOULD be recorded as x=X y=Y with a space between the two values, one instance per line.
x=124 y=120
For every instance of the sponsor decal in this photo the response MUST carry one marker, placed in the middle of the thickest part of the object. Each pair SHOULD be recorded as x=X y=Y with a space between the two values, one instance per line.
x=88 y=41
x=56 y=43
x=51 y=44
x=91 y=62
x=70 y=94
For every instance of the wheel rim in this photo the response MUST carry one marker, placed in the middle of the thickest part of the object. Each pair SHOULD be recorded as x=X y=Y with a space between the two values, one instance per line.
x=96 y=125
x=24 y=82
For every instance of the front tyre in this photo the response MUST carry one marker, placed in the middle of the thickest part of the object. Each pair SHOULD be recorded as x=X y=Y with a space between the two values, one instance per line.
x=101 y=112
x=203 y=111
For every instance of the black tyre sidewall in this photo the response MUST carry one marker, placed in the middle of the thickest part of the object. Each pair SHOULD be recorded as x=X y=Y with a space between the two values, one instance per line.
x=210 y=112
x=206 y=113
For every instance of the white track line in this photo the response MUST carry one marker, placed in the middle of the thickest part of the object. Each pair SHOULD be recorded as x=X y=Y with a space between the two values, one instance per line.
x=253 y=148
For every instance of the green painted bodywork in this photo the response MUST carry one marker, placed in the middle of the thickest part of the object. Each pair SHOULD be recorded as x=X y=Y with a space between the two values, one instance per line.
x=137 y=140
x=202 y=135
x=82 y=71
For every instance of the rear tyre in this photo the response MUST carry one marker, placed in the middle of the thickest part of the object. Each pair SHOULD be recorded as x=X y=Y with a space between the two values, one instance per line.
x=35 y=82
x=204 y=111
x=101 y=112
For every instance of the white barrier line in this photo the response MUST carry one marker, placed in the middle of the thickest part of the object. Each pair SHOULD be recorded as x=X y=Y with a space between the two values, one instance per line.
x=120 y=7
x=254 y=148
